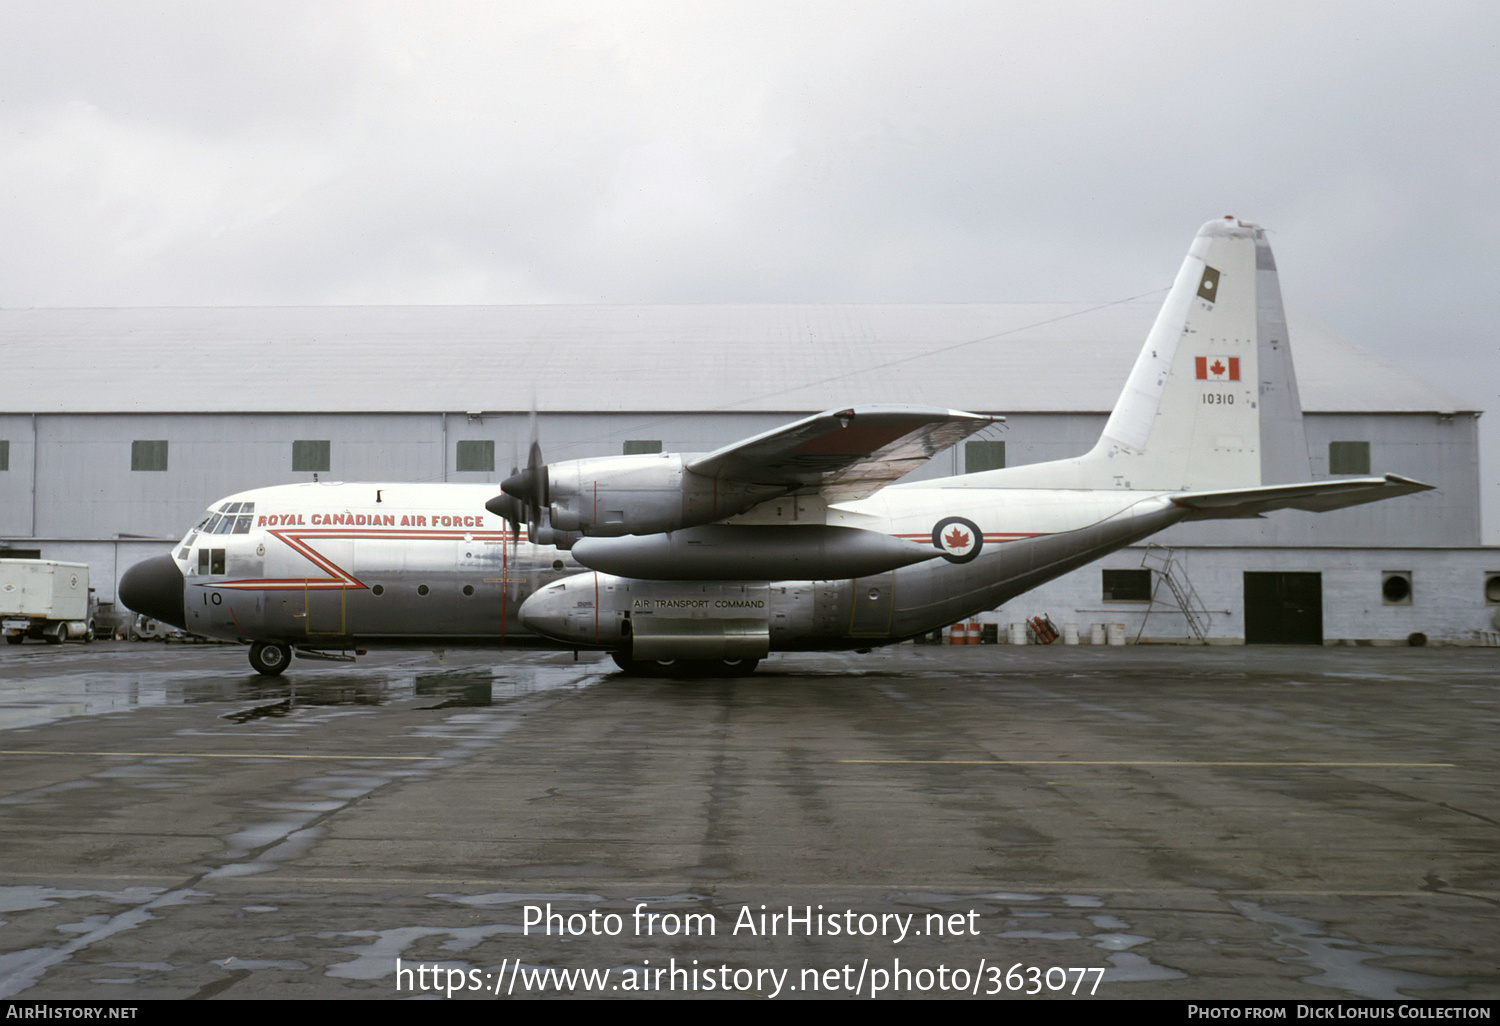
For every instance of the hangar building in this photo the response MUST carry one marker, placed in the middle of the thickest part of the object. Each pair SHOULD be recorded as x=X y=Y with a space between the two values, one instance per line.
x=120 y=426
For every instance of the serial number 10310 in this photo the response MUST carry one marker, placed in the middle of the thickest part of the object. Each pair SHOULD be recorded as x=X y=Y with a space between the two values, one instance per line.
x=1218 y=398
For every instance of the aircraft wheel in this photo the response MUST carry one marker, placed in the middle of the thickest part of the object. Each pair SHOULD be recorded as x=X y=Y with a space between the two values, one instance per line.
x=657 y=667
x=737 y=667
x=270 y=659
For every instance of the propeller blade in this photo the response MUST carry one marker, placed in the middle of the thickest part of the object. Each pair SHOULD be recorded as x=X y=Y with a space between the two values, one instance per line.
x=506 y=507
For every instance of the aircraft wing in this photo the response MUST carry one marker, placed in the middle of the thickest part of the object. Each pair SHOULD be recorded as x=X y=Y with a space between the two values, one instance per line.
x=1314 y=496
x=845 y=454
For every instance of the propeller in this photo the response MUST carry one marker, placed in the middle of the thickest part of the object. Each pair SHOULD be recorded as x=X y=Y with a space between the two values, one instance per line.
x=525 y=494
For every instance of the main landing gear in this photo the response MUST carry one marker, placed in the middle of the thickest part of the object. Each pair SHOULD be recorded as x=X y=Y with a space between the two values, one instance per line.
x=685 y=667
x=270 y=658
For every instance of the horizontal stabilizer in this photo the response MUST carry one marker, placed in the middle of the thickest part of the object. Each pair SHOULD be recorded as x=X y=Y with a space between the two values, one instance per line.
x=846 y=454
x=1314 y=496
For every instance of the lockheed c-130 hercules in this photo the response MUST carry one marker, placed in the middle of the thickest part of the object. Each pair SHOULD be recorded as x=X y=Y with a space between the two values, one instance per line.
x=797 y=538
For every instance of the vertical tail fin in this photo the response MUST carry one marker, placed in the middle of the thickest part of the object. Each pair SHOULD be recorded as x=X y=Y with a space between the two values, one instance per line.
x=1211 y=402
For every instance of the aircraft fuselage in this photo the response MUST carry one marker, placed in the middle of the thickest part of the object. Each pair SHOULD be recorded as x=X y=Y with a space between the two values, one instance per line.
x=333 y=567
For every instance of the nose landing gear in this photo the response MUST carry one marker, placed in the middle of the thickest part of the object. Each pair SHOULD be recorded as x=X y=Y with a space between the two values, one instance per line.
x=270 y=658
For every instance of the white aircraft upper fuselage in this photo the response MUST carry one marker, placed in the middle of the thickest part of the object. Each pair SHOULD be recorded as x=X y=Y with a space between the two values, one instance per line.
x=794 y=539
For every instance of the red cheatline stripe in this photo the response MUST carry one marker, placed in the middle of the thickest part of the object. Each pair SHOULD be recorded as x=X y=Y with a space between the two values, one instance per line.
x=339 y=578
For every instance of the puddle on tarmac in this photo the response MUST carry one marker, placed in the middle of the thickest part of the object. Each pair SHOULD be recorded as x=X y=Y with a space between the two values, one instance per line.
x=1344 y=964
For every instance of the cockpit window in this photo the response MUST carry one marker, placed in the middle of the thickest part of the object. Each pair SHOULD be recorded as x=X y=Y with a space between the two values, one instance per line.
x=230 y=518
x=238 y=516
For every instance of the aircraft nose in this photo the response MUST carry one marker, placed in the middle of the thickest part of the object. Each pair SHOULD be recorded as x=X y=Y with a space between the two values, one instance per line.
x=154 y=587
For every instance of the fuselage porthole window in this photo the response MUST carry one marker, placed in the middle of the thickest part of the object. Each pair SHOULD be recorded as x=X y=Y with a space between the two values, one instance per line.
x=421 y=589
x=378 y=590
x=468 y=589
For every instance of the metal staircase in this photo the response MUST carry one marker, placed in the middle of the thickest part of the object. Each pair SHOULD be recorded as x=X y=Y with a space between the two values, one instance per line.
x=1161 y=560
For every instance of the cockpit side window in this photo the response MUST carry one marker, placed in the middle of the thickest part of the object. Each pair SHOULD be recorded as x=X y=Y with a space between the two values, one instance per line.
x=210 y=562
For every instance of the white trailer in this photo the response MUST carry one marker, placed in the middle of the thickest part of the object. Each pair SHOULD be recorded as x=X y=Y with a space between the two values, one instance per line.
x=42 y=598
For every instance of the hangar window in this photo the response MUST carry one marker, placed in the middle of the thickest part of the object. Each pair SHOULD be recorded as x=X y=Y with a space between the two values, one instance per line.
x=4 y=455
x=1127 y=585
x=1348 y=457
x=150 y=455
x=983 y=456
x=475 y=455
x=310 y=455
x=642 y=446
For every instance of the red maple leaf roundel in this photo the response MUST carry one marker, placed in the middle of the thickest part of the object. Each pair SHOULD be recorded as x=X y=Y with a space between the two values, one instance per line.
x=956 y=539
x=1218 y=367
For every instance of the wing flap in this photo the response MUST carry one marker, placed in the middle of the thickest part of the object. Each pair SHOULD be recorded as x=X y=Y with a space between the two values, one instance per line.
x=845 y=454
x=1313 y=496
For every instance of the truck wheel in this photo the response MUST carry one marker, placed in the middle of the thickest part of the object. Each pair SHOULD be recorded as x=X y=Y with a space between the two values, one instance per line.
x=15 y=639
x=89 y=634
x=54 y=638
x=270 y=659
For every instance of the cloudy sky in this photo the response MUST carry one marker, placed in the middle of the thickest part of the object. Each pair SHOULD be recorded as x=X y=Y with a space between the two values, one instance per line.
x=198 y=153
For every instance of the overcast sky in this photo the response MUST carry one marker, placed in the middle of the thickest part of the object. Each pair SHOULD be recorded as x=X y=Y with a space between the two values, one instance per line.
x=306 y=153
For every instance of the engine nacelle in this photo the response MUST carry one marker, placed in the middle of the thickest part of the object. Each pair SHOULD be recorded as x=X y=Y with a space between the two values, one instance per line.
x=611 y=496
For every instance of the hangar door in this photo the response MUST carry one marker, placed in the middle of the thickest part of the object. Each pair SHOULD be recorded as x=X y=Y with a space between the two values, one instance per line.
x=1283 y=609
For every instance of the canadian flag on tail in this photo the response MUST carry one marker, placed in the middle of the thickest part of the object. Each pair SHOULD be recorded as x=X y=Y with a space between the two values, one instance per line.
x=1218 y=368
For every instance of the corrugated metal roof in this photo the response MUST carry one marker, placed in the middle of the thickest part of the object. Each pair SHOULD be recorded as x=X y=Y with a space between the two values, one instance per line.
x=991 y=357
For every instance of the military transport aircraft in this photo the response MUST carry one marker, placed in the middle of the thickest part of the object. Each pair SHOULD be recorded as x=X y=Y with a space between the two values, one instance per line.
x=794 y=539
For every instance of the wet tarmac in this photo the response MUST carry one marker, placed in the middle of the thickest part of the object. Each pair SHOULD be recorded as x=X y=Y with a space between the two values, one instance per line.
x=1080 y=822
